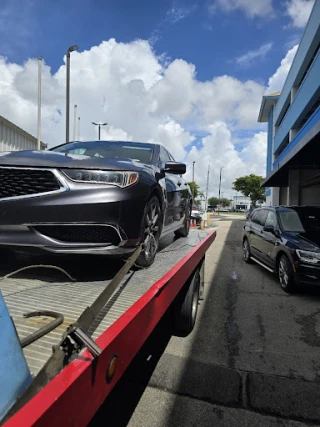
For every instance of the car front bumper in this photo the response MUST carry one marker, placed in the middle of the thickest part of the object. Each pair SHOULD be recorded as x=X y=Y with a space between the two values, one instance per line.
x=308 y=274
x=120 y=211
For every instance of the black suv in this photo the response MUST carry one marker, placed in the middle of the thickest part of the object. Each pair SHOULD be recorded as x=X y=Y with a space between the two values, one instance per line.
x=285 y=240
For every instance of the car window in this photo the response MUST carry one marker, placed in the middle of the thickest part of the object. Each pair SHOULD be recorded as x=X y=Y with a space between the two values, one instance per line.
x=310 y=218
x=137 y=151
x=271 y=220
x=290 y=221
x=164 y=156
x=259 y=217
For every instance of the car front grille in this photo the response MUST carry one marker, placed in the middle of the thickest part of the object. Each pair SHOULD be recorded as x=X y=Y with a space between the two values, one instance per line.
x=18 y=182
x=80 y=233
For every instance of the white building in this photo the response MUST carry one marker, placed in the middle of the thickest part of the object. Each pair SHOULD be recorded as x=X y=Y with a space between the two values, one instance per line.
x=243 y=202
x=13 y=138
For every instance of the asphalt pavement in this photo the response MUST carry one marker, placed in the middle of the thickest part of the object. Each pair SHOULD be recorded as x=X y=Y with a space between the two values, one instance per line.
x=252 y=359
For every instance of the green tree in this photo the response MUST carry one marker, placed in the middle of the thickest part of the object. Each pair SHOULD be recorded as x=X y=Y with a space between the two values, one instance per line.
x=213 y=201
x=249 y=186
x=194 y=189
x=201 y=195
x=225 y=202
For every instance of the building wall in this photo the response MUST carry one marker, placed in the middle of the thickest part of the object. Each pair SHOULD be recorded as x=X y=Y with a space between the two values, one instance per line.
x=10 y=140
x=270 y=142
x=294 y=122
x=13 y=138
x=304 y=53
x=307 y=95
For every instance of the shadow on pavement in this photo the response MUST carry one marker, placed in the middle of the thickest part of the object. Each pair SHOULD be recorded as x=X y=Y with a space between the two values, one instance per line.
x=193 y=380
x=121 y=403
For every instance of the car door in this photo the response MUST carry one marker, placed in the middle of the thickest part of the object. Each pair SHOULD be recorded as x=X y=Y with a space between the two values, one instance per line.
x=184 y=193
x=256 y=228
x=269 y=239
x=173 y=184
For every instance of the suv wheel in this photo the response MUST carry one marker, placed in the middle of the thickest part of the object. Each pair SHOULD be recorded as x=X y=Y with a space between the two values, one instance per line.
x=246 y=251
x=285 y=274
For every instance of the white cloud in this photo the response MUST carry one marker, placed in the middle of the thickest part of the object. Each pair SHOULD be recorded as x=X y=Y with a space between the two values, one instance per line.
x=252 y=56
x=219 y=148
x=299 y=11
x=276 y=81
x=176 y=13
x=251 y=8
x=143 y=99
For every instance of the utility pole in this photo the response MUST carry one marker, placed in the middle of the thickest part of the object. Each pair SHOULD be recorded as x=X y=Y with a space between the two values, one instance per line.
x=70 y=49
x=74 y=122
x=39 y=103
x=220 y=183
x=193 y=181
x=207 y=190
x=78 y=128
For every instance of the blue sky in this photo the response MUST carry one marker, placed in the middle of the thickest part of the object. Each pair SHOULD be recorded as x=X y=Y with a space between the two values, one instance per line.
x=180 y=29
x=190 y=74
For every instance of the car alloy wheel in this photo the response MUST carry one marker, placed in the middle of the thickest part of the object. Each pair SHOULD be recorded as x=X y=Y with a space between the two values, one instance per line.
x=184 y=231
x=152 y=230
x=285 y=274
x=246 y=250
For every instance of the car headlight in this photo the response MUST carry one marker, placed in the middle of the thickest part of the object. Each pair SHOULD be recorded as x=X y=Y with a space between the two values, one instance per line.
x=119 y=178
x=308 y=256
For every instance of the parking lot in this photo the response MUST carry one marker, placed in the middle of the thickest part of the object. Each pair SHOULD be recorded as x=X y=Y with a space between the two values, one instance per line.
x=252 y=359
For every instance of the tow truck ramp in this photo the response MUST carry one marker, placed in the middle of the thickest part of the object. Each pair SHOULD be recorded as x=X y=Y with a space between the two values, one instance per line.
x=115 y=335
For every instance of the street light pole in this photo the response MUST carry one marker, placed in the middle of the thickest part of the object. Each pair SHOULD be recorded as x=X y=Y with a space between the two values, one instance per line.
x=220 y=184
x=99 y=124
x=70 y=49
x=74 y=122
x=39 y=103
x=193 y=181
x=78 y=128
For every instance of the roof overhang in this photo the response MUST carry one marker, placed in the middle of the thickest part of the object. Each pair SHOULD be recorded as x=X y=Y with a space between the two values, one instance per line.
x=268 y=101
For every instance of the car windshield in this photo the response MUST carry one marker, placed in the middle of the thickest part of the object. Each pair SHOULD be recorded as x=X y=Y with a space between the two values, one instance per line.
x=139 y=152
x=301 y=220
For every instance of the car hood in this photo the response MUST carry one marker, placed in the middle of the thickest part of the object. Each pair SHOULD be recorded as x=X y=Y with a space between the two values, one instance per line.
x=309 y=241
x=51 y=159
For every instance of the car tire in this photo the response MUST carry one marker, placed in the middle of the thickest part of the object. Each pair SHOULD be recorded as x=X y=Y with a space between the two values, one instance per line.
x=150 y=232
x=286 y=274
x=246 y=251
x=186 y=305
x=184 y=231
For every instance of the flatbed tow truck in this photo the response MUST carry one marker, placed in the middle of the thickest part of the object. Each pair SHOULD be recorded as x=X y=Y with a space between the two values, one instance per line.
x=79 y=332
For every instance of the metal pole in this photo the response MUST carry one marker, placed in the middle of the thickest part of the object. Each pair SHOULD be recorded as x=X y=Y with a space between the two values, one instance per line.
x=220 y=183
x=67 y=96
x=193 y=181
x=70 y=49
x=39 y=103
x=78 y=128
x=207 y=190
x=99 y=132
x=74 y=123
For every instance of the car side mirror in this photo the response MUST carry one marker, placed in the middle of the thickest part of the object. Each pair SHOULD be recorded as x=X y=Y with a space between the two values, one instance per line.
x=175 y=167
x=271 y=229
